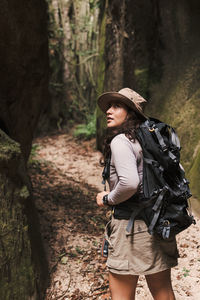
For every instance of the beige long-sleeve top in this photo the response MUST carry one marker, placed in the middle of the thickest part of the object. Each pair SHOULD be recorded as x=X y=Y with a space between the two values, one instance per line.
x=126 y=169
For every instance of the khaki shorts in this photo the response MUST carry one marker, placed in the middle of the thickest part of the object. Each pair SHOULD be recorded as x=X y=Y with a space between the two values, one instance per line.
x=138 y=253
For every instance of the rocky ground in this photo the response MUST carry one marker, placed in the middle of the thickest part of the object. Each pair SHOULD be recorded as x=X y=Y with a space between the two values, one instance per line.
x=66 y=176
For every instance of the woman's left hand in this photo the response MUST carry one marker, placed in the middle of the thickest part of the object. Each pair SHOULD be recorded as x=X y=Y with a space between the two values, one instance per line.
x=99 y=198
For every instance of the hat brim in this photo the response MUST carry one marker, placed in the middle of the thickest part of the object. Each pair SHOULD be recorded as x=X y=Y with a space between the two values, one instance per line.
x=105 y=99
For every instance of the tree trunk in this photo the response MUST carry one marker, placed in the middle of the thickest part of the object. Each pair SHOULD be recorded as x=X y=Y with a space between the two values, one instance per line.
x=111 y=55
x=73 y=48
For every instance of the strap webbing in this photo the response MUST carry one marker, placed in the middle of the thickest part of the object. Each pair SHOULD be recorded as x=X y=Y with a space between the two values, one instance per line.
x=157 y=208
x=151 y=161
x=130 y=225
x=172 y=156
x=160 y=139
x=106 y=172
x=159 y=200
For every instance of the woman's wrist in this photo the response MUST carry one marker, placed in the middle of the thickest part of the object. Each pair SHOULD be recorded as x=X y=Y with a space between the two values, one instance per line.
x=99 y=199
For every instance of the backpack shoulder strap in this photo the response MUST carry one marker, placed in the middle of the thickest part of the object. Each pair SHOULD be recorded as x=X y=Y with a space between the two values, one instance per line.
x=106 y=171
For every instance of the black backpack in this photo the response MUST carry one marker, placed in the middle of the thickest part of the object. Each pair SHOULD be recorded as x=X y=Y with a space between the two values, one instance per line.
x=163 y=205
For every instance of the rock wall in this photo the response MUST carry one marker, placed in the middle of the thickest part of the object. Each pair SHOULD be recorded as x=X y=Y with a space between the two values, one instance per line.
x=154 y=48
x=23 y=95
x=23 y=267
x=175 y=97
x=24 y=68
x=127 y=32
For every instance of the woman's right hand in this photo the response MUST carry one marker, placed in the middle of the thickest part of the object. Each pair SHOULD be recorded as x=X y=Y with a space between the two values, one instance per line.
x=99 y=198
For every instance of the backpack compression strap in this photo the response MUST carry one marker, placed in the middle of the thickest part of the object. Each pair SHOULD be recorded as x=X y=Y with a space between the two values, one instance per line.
x=106 y=172
x=130 y=225
x=173 y=137
x=160 y=138
x=157 y=208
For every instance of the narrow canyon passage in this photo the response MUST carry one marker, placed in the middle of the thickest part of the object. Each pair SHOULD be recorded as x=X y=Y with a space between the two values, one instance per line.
x=66 y=176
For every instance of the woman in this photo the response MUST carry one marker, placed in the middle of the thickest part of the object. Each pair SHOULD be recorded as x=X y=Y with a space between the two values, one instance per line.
x=138 y=253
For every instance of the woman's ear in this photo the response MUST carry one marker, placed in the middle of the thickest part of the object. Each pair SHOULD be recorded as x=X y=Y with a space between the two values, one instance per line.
x=128 y=116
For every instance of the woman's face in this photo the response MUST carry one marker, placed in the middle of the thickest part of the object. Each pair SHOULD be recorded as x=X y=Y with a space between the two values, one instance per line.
x=116 y=114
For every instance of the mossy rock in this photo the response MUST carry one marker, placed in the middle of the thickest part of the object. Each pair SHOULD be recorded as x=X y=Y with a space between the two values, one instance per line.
x=177 y=102
x=20 y=269
x=194 y=176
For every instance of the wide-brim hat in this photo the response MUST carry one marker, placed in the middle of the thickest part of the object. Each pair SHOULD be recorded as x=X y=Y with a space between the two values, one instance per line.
x=127 y=96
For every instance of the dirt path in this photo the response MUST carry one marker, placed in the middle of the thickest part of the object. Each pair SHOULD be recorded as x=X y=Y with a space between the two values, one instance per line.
x=66 y=177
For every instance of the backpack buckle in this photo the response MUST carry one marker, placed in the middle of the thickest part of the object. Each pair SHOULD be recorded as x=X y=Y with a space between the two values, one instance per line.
x=151 y=129
x=166 y=230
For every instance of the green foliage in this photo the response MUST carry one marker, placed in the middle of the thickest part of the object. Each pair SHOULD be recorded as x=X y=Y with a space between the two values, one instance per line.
x=24 y=192
x=95 y=243
x=79 y=250
x=73 y=54
x=64 y=260
x=81 y=54
x=94 y=3
x=34 y=149
x=73 y=254
x=32 y=158
x=86 y=131
x=186 y=272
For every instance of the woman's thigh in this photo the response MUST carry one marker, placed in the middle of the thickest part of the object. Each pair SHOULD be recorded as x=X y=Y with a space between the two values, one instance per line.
x=122 y=287
x=160 y=285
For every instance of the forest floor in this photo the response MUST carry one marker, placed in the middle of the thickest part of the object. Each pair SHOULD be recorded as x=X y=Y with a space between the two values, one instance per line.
x=66 y=176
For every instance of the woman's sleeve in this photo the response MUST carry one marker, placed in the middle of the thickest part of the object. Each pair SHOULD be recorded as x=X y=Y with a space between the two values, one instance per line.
x=125 y=163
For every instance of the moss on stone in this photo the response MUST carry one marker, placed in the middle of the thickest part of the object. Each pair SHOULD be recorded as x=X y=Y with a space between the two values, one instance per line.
x=17 y=274
x=24 y=192
x=141 y=78
x=194 y=176
x=16 y=268
x=177 y=103
x=8 y=148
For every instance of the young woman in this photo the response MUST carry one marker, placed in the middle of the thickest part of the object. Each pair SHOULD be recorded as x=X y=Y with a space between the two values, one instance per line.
x=138 y=253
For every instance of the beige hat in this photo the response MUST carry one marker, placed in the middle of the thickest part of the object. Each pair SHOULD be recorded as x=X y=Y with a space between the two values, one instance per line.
x=126 y=96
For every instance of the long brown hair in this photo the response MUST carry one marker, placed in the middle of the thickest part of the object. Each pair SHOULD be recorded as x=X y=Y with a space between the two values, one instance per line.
x=128 y=127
